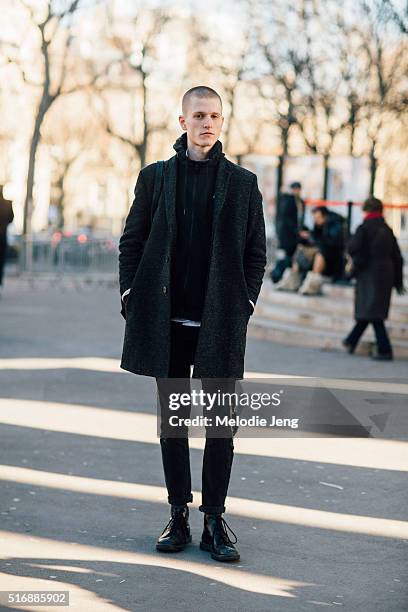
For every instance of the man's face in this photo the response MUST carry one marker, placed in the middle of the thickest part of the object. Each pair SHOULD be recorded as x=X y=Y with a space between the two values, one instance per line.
x=202 y=121
x=318 y=218
x=296 y=191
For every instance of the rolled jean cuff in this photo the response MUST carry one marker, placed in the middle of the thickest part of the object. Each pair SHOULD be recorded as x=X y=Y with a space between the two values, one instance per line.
x=177 y=502
x=212 y=509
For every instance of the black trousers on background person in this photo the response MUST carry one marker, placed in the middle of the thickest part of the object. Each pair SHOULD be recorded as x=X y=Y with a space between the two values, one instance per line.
x=383 y=341
x=218 y=451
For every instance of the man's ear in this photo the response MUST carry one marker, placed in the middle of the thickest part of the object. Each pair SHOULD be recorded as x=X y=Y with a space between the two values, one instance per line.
x=182 y=122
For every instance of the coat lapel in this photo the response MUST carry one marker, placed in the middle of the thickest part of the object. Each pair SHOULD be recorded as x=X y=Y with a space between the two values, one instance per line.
x=169 y=188
x=221 y=188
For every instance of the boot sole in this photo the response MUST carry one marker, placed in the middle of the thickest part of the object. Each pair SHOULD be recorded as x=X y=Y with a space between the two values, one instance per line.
x=170 y=549
x=208 y=548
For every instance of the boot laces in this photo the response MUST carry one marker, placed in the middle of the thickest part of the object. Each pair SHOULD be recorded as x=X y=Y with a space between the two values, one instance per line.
x=224 y=527
x=176 y=519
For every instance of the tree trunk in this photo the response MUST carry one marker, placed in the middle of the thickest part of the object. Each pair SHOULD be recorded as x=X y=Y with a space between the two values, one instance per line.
x=282 y=159
x=326 y=159
x=352 y=136
x=28 y=204
x=227 y=132
x=61 y=203
x=141 y=151
x=61 y=215
x=279 y=175
x=35 y=141
x=373 y=168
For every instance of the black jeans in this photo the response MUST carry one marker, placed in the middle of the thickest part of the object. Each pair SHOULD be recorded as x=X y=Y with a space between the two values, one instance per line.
x=381 y=336
x=218 y=451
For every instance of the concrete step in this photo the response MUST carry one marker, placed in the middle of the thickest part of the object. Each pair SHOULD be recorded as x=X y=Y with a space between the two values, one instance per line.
x=342 y=291
x=347 y=292
x=301 y=335
x=336 y=301
x=319 y=319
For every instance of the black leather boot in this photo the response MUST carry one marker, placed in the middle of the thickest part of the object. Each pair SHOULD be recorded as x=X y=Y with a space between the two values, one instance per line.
x=382 y=357
x=350 y=348
x=176 y=534
x=215 y=539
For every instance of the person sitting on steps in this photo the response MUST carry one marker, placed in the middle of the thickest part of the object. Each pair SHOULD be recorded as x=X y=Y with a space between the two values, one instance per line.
x=319 y=255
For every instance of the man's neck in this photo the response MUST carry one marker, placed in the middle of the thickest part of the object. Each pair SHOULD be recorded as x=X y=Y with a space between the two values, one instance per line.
x=197 y=153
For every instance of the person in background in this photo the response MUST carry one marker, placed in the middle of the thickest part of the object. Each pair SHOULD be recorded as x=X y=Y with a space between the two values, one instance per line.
x=378 y=267
x=320 y=254
x=289 y=221
x=6 y=217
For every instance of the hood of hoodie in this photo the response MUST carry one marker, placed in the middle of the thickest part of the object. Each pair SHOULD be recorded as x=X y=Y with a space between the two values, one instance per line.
x=180 y=146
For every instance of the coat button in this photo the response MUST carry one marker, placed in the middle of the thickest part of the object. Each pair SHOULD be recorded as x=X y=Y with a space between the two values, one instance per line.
x=167 y=258
x=164 y=289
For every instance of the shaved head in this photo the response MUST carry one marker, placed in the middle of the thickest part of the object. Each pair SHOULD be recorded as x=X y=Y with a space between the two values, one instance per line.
x=202 y=91
x=202 y=120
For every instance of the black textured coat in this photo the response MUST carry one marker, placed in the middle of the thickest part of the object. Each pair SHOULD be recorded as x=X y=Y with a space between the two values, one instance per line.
x=374 y=244
x=236 y=269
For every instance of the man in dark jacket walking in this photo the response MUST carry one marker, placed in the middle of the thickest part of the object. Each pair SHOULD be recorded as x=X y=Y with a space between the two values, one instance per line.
x=191 y=268
x=6 y=217
x=378 y=267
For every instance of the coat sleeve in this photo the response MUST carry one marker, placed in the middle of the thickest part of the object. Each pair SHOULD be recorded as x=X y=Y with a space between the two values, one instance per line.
x=355 y=243
x=135 y=234
x=255 y=245
x=398 y=263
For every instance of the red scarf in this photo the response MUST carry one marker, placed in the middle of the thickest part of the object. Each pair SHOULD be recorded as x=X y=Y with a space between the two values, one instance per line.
x=373 y=215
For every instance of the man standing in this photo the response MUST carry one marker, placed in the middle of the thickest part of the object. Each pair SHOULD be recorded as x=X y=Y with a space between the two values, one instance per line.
x=191 y=268
x=290 y=218
x=6 y=217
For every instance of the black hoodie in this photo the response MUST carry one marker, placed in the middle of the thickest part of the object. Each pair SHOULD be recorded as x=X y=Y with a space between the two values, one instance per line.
x=194 y=212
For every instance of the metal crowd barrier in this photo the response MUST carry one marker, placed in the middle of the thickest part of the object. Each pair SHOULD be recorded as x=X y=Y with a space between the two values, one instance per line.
x=69 y=257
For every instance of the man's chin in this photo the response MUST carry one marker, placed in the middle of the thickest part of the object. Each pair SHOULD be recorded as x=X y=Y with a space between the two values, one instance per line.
x=207 y=141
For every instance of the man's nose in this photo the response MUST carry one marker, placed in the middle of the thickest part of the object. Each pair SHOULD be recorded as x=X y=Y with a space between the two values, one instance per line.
x=208 y=122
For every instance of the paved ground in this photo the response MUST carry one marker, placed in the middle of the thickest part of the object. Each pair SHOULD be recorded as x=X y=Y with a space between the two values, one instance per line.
x=320 y=522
